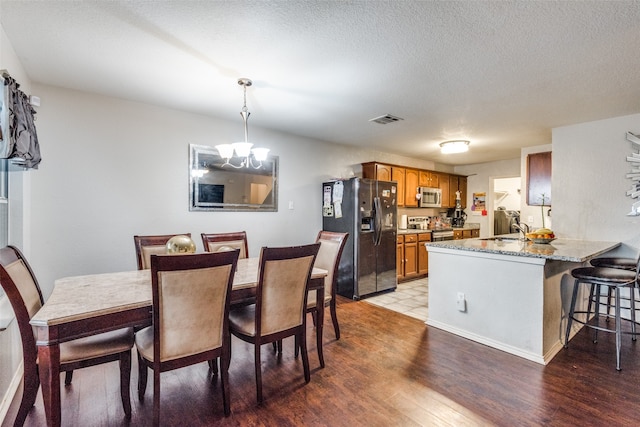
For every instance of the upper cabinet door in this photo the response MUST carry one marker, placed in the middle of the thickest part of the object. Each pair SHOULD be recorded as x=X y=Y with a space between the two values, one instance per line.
x=539 y=179
x=411 y=188
x=397 y=174
x=383 y=172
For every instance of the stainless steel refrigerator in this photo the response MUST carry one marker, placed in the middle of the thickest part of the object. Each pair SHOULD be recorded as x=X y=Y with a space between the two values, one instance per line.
x=367 y=210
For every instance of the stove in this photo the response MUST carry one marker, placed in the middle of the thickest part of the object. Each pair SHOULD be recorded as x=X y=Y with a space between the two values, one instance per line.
x=418 y=222
x=441 y=234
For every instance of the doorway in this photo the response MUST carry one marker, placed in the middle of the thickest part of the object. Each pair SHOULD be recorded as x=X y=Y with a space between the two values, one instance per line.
x=506 y=197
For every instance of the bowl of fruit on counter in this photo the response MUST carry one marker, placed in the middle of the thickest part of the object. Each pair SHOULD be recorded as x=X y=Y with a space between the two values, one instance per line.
x=541 y=235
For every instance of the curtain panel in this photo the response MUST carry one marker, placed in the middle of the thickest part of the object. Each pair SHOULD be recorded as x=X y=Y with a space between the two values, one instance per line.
x=19 y=137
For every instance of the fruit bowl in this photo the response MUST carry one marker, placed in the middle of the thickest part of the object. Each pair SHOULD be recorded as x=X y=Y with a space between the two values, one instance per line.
x=542 y=240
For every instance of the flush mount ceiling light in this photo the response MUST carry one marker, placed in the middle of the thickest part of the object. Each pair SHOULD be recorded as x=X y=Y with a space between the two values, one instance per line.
x=457 y=146
x=243 y=150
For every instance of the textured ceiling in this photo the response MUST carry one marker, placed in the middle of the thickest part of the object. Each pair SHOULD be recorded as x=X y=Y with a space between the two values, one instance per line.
x=501 y=74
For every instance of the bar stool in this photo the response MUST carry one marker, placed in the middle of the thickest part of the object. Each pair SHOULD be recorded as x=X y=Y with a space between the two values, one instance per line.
x=614 y=262
x=615 y=279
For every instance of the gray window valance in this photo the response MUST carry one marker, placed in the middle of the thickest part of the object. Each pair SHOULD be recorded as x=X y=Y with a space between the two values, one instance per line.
x=19 y=140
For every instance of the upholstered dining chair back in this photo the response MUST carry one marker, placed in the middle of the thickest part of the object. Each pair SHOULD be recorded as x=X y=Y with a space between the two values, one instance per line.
x=151 y=245
x=284 y=274
x=218 y=242
x=23 y=291
x=331 y=247
x=191 y=298
x=279 y=311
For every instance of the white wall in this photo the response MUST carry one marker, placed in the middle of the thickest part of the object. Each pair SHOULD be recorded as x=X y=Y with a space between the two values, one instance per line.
x=589 y=183
x=480 y=180
x=113 y=168
x=19 y=184
x=512 y=188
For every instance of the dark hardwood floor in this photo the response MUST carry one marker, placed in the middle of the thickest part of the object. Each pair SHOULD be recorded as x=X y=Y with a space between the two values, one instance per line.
x=387 y=370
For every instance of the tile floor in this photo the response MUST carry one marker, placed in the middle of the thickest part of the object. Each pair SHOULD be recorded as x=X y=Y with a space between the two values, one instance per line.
x=409 y=298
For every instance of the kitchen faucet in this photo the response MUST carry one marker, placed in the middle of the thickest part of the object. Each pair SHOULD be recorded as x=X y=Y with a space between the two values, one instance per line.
x=522 y=228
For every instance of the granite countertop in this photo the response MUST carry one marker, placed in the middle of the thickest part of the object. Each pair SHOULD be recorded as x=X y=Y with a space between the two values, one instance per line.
x=558 y=250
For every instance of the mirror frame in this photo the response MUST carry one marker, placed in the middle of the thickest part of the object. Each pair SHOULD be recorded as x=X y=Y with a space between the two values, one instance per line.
x=195 y=152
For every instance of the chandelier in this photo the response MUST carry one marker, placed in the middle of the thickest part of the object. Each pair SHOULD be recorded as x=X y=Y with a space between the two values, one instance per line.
x=248 y=157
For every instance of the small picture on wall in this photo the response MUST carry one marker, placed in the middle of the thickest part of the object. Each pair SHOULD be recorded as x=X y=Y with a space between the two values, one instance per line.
x=479 y=202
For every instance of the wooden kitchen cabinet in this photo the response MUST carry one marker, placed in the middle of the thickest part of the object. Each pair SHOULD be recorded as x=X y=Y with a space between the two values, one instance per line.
x=423 y=254
x=462 y=188
x=466 y=233
x=410 y=179
x=400 y=257
x=443 y=181
x=457 y=183
x=379 y=171
x=453 y=187
x=410 y=255
x=411 y=188
x=429 y=179
x=407 y=259
x=539 y=179
x=398 y=175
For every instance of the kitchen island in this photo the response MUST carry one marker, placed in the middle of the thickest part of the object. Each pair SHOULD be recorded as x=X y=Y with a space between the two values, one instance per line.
x=506 y=293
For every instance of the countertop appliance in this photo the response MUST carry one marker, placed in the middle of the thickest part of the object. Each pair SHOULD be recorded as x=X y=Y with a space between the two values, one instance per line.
x=458 y=218
x=367 y=210
x=430 y=197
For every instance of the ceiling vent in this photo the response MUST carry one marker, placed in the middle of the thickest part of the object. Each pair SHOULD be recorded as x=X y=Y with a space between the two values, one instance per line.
x=386 y=119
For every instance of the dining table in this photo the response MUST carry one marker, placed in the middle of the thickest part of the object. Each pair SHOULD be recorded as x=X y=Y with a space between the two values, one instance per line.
x=82 y=306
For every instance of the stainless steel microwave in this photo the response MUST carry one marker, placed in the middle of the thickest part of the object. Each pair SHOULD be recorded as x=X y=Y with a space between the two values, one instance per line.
x=430 y=197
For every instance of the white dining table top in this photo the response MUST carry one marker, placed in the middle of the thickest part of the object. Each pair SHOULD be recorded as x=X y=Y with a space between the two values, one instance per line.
x=80 y=297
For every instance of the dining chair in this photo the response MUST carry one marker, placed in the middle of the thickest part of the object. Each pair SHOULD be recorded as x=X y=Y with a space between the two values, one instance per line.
x=22 y=288
x=191 y=297
x=217 y=242
x=148 y=245
x=279 y=310
x=331 y=246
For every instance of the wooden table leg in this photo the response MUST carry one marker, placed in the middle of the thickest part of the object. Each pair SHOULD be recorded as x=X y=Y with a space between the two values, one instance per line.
x=320 y=322
x=49 y=367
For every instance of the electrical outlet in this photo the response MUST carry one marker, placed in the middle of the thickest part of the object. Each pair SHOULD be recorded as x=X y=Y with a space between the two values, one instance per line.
x=461 y=302
x=291 y=204
x=530 y=219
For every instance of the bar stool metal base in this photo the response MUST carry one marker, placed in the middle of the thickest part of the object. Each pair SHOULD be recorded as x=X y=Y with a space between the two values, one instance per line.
x=615 y=280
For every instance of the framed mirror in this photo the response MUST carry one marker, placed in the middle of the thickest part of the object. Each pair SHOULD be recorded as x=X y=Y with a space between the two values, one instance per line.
x=216 y=186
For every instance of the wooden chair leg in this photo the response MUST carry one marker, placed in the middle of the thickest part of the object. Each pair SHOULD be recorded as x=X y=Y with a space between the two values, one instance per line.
x=213 y=365
x=224 y=377
x=68 y=376
x=305 y=357
x=142 y=378
x=31 y=386
x=258 y=373
x=156 y=397
x=125 y=382
x=334 y=318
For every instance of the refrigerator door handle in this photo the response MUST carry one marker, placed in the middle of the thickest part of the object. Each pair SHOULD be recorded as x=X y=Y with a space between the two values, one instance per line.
x=377 y=212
